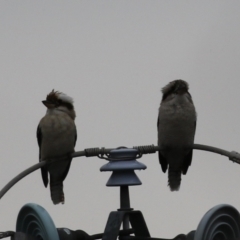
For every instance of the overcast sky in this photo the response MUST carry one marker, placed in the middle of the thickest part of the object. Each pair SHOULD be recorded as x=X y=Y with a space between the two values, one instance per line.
x=113 y=58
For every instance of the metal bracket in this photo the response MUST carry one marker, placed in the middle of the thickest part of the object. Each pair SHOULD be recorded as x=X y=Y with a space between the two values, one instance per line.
x=115 y=221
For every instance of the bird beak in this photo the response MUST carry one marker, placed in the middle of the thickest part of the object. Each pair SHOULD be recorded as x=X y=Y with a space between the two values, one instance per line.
x=48 y=104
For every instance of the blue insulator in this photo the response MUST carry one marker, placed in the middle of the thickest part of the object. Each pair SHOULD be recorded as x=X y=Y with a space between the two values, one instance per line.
x=123 y=163
x=220 y=222
x=35 y=221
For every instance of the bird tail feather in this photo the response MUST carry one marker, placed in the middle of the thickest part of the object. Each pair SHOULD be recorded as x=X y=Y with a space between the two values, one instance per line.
x=56 y=189
x=174 y=179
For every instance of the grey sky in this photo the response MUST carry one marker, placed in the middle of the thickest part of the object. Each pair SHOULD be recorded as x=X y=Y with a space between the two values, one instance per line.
x=113 y=57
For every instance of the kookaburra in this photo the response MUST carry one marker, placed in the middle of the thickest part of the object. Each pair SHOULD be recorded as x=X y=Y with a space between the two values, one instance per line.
x=176 y=129
x=56 y=135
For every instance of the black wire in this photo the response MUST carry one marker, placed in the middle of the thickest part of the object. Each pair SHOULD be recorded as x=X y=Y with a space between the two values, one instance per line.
x=6 y=234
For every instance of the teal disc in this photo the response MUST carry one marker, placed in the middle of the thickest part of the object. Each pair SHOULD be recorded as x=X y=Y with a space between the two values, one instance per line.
x=34 y=220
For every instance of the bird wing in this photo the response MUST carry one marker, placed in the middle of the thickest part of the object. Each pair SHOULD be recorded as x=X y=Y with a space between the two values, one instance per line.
x=65 y=173
x=63 y=176
x=188 y=160
x=75 y=138
x=162 y=160
x=43 y=169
